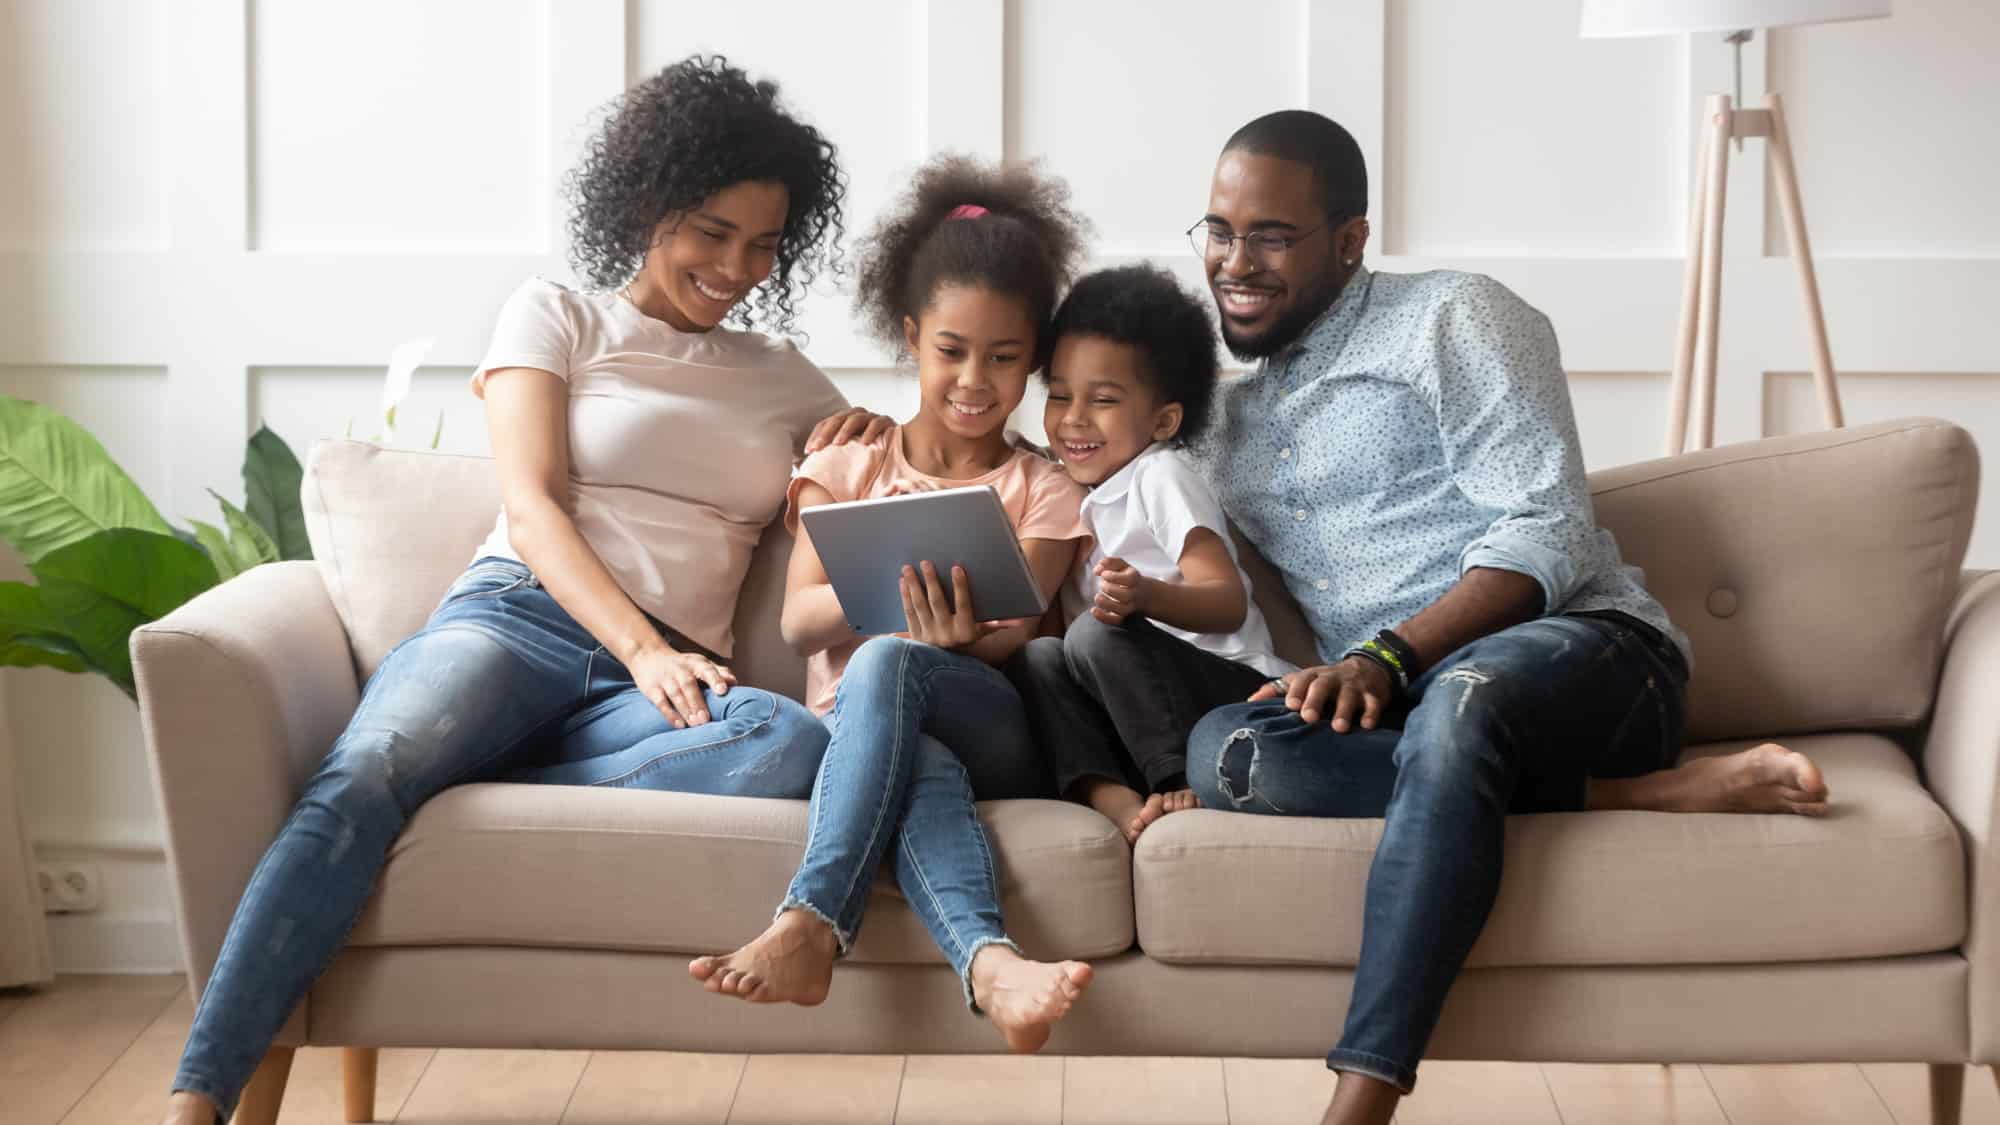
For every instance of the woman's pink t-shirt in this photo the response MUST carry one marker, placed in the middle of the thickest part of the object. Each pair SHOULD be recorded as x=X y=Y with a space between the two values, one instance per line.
x=1039 y=498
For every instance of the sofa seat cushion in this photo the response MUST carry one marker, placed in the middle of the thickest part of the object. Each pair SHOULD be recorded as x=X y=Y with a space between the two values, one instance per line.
x=575 y=867
x=1881 y=875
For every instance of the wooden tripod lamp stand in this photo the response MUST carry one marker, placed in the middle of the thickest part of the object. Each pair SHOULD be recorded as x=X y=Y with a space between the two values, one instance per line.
x=1725 y=120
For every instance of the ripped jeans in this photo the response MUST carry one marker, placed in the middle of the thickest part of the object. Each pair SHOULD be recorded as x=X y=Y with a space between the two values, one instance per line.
x=1518 y=721
x=501 y=684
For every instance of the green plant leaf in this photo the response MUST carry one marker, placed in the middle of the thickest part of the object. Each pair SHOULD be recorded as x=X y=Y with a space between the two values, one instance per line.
x=271 y=481
x=217 y=545
x=248 y=545
x=101 y=588
x=57 y=485
x=30 y=636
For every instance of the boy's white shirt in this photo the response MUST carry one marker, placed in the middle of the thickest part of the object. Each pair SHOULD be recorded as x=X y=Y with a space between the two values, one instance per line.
x=1143 y=513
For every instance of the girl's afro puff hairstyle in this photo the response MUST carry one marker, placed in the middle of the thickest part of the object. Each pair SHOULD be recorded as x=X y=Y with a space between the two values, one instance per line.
x=1026 y=245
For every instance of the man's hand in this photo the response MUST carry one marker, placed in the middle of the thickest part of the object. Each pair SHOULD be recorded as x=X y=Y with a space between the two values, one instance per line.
x=1121 y=591
x=931 y=620
x=1355 y=686
x=853 y=424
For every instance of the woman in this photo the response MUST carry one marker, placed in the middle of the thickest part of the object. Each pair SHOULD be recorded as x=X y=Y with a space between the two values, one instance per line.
x=585 y=643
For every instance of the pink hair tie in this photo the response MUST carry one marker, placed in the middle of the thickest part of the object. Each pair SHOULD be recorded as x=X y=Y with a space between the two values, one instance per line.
x=967 y=211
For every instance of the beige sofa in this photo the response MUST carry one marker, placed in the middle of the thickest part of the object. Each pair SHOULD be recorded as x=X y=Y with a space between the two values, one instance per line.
x=1819 y=577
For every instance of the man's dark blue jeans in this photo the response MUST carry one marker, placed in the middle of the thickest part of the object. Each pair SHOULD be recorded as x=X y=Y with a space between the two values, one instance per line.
x=1518 y=721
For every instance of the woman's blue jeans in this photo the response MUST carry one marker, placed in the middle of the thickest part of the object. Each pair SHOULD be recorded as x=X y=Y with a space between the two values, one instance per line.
x=500 y=685
x=919 y=733
x=1518 y=721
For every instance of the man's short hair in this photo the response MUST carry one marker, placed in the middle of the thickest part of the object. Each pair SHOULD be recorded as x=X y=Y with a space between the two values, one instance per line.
x=1319 y=143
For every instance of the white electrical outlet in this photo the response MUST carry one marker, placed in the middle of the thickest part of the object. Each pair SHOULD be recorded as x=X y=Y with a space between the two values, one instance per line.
x=69 y=887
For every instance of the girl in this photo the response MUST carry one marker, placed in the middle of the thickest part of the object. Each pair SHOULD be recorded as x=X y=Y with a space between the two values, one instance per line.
x=964 y=277
x=609 y=413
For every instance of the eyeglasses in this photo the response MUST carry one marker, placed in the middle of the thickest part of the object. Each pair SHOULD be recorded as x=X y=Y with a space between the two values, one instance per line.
x=1267 y=248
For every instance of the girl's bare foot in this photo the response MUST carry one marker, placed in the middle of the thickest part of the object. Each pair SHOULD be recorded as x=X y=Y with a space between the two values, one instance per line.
x=1763 y=779
x=184 y=1108
x=1025 y=998
x=789 y=963
x=1159 y=805
x=1119 y=804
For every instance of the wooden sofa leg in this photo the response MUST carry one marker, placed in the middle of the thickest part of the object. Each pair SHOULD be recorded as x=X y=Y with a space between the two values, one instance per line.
x=266 y=1091
x=1947 y=1092
x=357 y=1080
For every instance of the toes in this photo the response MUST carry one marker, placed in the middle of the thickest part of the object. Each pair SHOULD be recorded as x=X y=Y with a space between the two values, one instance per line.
x=1156 y=807
x=1132 y=829
x=702 y=968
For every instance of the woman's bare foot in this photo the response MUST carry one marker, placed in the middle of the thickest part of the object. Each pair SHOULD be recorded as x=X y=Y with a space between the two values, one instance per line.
x=1025 y=998
x=789 y=963
x=1763 y=779
x=184 y=1108
x=1159 y=805
x=1117 y=803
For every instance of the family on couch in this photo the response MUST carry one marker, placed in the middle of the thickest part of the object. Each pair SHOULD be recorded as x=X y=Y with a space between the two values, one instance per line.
x=1403 y=452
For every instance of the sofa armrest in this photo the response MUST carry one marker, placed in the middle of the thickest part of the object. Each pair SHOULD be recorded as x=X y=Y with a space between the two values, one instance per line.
x=241 y=692
x=1961 y=760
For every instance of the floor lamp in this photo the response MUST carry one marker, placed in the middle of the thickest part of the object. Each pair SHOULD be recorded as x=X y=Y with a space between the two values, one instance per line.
x=1725 y=120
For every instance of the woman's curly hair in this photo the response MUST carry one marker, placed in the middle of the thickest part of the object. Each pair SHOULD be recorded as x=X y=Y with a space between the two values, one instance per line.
x=1027 y=245
x=693 y=129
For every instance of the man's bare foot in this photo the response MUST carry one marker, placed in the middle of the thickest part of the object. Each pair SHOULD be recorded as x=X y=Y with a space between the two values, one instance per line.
x=1157 y=806
x=1025 y=998
x=1361 y=1100
x=184 y=1108
x=789 y=963
x=1763 y=779
x=1119 y=804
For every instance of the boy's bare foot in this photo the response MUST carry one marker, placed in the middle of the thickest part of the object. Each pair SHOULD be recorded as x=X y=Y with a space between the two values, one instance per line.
x=1159 y=805
x=184 y=1108
x=1025 y=998
x=1763 y=779
x=1361 y=1100
x=791 y=962
x=1119 y=804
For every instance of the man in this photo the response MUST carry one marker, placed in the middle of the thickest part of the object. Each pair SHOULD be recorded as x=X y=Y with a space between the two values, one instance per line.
x=1404 y=453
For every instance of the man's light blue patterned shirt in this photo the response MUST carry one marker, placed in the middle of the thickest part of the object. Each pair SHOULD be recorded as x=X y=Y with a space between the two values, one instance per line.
x=1421 y=427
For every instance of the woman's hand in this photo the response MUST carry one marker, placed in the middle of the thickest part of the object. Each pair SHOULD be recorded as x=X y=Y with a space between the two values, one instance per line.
x=932 y=620
x=1121 y=591
x=856 y=423
x=673 y=681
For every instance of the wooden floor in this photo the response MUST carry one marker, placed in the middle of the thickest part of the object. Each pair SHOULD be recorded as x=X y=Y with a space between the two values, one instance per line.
x=101 y=1050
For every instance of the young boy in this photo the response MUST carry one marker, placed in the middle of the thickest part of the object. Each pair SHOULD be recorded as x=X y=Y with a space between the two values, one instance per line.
x=1164 y=630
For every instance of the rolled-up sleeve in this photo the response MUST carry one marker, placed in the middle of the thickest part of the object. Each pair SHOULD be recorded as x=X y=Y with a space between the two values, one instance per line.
x=1509 y=436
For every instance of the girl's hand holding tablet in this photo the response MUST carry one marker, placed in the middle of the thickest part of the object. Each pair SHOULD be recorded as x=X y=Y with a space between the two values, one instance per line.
x=933 y=620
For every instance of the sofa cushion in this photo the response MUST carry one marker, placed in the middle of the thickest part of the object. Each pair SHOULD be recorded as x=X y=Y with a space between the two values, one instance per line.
x=391 y=528
x=584 y=868
x=1881 y=875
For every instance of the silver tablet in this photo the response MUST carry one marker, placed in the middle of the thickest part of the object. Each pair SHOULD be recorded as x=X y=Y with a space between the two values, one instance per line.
x=864 y=545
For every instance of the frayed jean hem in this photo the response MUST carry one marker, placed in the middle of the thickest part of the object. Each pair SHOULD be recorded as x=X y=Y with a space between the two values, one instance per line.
x=965 y=978
x=1372 y=1066
x=843 y=939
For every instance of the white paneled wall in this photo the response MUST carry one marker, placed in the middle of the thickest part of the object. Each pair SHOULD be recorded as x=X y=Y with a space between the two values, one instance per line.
x=219 y=211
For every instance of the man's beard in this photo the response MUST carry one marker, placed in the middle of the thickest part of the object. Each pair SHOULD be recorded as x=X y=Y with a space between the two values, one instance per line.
x=1289 y=327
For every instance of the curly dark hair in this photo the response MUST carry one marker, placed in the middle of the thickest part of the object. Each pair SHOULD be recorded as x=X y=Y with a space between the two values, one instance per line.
x=676 y=139
x=1144 y=308
x=1027 y=245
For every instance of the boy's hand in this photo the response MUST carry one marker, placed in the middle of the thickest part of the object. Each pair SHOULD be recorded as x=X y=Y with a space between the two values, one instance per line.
x=1122 y=591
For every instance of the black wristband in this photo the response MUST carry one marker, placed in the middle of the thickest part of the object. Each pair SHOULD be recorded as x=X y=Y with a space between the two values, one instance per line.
x=1398 y=684
x=1389 y=639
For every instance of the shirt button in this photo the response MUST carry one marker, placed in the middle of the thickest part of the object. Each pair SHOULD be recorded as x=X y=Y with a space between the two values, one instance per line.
x=1285 y=453
x=1321 y=584
x=1299 y=515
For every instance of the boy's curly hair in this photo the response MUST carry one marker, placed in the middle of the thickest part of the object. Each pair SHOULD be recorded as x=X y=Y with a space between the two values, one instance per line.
x=668 y=143
x=1144 y=308
x=1027 y=245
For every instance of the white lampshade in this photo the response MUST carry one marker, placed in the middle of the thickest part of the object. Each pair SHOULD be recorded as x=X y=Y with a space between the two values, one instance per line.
x=1612 y=18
